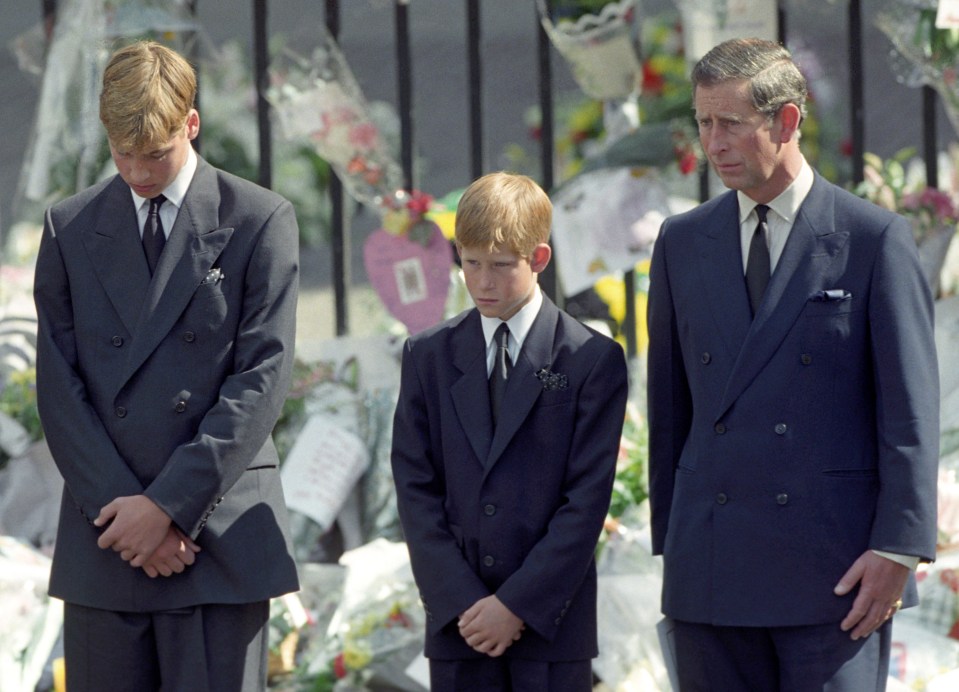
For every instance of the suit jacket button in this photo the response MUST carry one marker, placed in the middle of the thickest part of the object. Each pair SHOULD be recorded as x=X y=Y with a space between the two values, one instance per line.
x=722 y=499
x=489 y=561
x=489 y=510
x=805 y=358
x=189 y=337
x=180 y=407
x=557 y=621
x=780 y=428
x=120 y=412
x=782 y=498
x=706 y=358
x=117 y=341
x=720 y=428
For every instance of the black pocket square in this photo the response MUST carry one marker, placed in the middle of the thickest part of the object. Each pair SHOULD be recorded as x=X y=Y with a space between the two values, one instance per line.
x=832 y=295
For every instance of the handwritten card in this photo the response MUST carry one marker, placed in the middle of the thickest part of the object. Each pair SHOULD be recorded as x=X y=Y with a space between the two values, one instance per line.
x=321 y=469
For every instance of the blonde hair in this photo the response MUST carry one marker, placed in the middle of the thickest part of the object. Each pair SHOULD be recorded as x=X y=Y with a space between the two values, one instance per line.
x=148 y=92
x=504 y=211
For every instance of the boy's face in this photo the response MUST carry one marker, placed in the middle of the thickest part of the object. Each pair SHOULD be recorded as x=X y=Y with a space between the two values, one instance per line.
x=500 y=282
x=148 y=173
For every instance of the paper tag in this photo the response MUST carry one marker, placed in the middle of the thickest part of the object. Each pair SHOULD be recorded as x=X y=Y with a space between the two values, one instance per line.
x=947 y=17
x=322 y=468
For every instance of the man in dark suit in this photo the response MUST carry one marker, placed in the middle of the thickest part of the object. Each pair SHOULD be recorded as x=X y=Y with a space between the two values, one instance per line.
x=793 y=417
x=502 y=495
x=162 y=366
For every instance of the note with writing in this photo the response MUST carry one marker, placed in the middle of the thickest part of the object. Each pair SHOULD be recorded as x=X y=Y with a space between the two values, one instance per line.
x=321 y=469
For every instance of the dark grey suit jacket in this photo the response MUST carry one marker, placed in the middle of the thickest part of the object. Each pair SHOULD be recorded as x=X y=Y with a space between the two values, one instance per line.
x=515 y=512
x=783 y=447
x=169 y=387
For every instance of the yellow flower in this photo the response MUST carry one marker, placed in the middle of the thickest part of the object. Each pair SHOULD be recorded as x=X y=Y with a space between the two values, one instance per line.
x=612 y=291
x=356 y=656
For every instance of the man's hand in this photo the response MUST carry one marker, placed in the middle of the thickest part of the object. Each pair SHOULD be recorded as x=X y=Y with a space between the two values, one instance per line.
x=490 y=627
x=136 y=528
x=175 y=554
x=881 y=583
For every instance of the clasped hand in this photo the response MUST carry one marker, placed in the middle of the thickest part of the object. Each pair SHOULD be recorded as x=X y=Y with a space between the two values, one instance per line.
x=489 y=627
x=144 y=536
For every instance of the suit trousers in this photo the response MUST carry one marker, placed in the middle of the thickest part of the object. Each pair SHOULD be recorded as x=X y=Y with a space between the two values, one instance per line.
x=505 y=674
x=205 y=648
x=780 y=659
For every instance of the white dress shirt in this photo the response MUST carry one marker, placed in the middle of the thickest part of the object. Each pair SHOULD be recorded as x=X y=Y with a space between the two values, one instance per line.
x=519 y=326
x=174 y=193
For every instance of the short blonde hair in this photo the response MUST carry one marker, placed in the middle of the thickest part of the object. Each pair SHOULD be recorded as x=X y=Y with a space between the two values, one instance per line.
x=148 y=92
x=504 y=211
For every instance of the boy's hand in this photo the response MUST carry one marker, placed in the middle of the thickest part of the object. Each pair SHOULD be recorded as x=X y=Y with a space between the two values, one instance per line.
x=175 y=554
x=490 y=627
x=137 y=526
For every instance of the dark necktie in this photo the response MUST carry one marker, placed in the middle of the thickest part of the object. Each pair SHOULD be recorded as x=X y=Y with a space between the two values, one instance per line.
x=153 y=236
x=757 y=263
x=501 y=369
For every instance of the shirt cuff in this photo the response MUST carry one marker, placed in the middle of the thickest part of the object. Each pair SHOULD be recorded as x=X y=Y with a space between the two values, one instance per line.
x=910 y=561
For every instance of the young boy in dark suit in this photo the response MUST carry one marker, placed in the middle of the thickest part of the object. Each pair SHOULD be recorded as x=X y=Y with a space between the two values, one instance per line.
x=505 y=441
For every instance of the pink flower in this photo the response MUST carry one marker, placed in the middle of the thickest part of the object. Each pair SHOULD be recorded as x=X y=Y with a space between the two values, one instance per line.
x=363 y=136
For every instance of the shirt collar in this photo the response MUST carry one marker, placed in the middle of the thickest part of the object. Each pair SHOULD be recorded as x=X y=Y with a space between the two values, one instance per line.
x=787 y=204
x=519 y=324
x=175 y=191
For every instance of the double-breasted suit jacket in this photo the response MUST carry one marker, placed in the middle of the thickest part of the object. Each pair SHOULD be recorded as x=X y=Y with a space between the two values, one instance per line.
x=785 y=446
x=169 y=386
x=515 y=513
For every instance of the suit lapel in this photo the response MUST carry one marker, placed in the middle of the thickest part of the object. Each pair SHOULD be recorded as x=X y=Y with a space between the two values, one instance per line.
x=812 y=245
x=720 y=269
x=112 y=243
x=194 y=245
x=524 y=388
x=470 y=393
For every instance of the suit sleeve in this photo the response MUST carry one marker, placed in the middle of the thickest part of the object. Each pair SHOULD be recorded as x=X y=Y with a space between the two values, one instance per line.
x=92 y=468
x=907 y=398
x=552 y=572
x=447 y=583
x=250 y=399
x=669 y=402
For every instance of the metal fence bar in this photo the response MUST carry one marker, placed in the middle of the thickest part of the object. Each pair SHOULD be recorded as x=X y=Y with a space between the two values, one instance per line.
x=474 y=57
x=929 y=140
x=404 y=83
x=856 y=100
x=339 y=239
x=547 y=279
x=261 y=62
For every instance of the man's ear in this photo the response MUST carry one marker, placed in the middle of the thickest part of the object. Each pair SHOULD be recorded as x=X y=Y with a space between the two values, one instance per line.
x=540 y=257
x=789 y=119
x=192 y=124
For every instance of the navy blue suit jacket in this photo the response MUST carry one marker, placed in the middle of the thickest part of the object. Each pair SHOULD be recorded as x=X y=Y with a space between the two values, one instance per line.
x=785 y=446
x=516 y=512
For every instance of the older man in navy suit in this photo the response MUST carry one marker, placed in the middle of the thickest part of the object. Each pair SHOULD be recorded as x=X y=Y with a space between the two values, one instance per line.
x=162 y=365
x=793 y=404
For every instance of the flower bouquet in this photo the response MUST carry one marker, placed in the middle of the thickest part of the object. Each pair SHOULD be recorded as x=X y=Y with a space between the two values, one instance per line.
x=895 y=184
x=408 y=260
x=601 y=48
x=926 y=54
x=319 y=99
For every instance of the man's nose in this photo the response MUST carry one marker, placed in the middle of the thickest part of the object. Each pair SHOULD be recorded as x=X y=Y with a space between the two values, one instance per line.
x=138 y=172
x=713 y=143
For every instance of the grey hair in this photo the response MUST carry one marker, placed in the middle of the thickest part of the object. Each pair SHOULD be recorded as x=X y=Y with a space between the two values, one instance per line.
x=774 y=78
